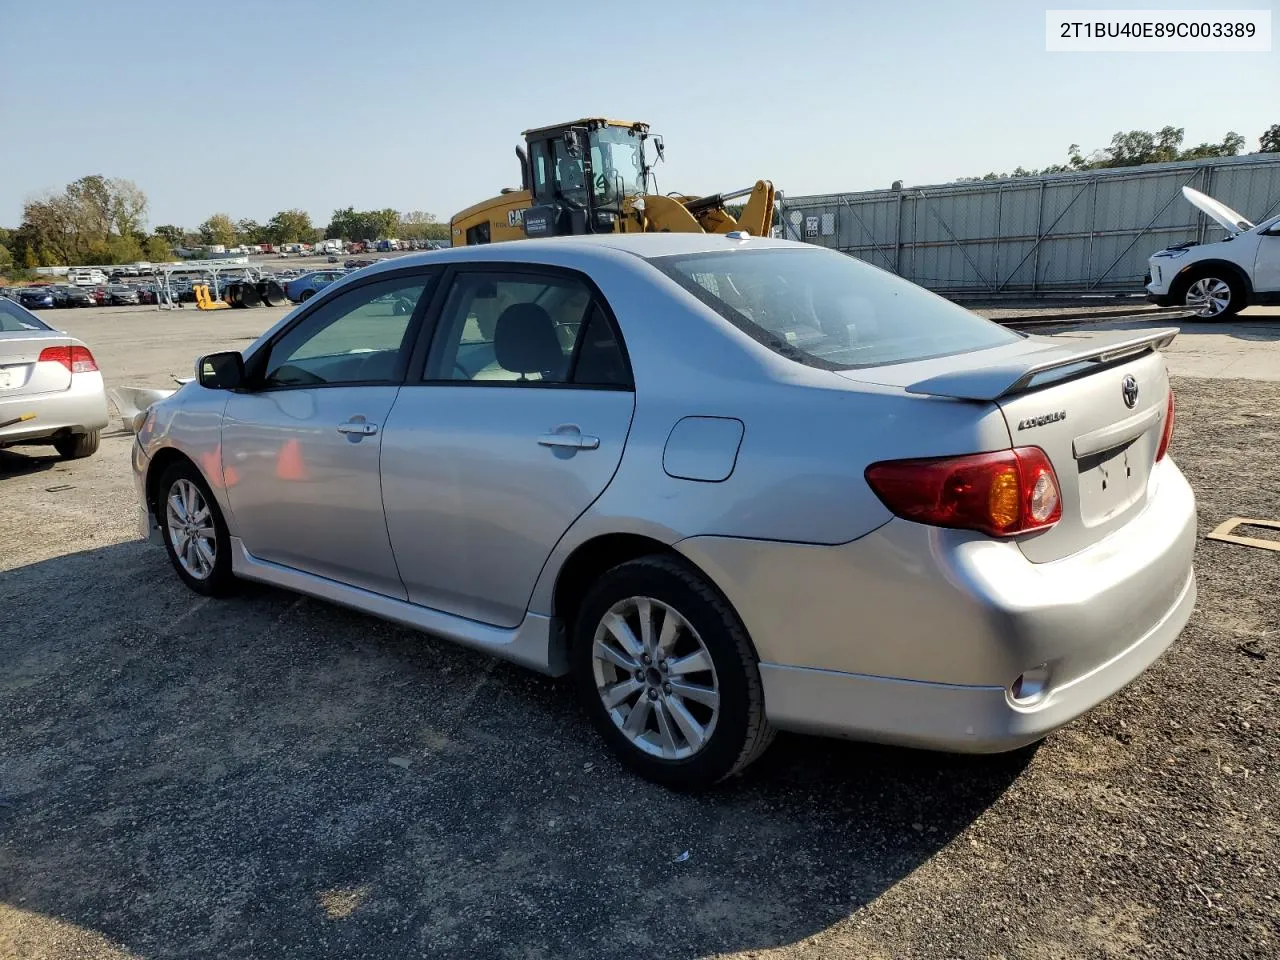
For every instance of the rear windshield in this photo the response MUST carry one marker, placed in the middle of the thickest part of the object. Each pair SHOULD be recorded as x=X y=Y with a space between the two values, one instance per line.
x=829 y=310
x=14 y=318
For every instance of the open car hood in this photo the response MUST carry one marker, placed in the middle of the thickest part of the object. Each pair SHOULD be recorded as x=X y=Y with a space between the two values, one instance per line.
x=1227 y=218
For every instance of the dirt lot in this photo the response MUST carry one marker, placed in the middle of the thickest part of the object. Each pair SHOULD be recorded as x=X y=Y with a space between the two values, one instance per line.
x=271 y=776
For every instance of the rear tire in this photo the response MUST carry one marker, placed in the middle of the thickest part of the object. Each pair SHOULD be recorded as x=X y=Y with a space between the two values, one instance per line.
x=697 y=724
x=306 y=295
x=1214 y=294
x=78 y=445
x=183 y=506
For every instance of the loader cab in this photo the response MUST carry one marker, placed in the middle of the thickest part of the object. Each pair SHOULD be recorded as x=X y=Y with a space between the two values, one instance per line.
x=581 y=174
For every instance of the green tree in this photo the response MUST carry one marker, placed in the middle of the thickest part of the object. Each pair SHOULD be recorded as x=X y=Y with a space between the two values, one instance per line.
x=84 y=223
x=158 y=249
x=346 y=224
x=420 y=225
x=385 y=222
x=6 y=258
x=291 y=226
x=1269 y=142
x=170 y=234
x=1133 y=148
x=218 y=229
x=250 y=231
x=352 y=224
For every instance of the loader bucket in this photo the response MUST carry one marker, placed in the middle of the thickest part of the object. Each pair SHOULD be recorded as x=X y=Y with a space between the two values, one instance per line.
x=271 y=292
x=204 y=301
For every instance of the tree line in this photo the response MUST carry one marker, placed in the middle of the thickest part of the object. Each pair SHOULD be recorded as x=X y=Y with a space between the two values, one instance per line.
x=96 y=219
x=102 y=220
x=295 y=226
x=1135 y=147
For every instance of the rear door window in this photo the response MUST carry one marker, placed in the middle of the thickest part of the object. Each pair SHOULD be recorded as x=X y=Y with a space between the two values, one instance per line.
x=829 y=310
x=526 y=328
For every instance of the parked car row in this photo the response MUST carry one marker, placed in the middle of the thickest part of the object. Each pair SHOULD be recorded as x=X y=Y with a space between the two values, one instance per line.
x=298 y=286
x=64 y=295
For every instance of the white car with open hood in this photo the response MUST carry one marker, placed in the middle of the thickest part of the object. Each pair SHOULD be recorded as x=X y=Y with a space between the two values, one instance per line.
x=1221 y=278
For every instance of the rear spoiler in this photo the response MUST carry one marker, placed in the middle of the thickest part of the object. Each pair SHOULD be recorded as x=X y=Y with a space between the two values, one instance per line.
x=1003 y=378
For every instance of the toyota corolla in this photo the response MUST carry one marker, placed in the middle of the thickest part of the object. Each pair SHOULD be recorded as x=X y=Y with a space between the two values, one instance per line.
x=731 y=484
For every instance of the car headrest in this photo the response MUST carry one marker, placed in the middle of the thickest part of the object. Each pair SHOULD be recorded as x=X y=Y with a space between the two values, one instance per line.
x=524 y=340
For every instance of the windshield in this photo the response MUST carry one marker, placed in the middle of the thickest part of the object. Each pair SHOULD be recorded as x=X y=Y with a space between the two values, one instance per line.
x=828 y=310
x=618 y=161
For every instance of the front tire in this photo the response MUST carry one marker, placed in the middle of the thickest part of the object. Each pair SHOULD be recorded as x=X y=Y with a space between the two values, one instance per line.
x=78 y=445
x=1214 y=295
x=195 y=533
x=668 y=675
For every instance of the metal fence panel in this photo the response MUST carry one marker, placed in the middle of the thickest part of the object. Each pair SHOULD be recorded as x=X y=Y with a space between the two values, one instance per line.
x=1092 y=230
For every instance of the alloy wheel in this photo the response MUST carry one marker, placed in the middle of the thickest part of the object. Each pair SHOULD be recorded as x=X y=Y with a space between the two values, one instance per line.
x=656 y=678
x=1209 y=296
x=191 y=530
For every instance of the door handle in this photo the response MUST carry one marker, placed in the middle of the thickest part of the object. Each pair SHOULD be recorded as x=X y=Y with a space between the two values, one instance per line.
x=361 y=428
x=570 y=439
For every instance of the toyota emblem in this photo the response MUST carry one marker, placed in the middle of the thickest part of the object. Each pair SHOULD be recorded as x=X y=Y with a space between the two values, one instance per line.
x=1129 y=390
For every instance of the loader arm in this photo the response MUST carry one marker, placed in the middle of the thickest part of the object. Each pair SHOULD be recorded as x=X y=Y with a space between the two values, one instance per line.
x=667 y=215
x=757 y=215
x=691 y=214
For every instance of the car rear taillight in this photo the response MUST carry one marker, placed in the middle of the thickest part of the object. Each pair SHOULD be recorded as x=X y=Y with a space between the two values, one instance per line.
x=76 y=359
x=1167 y=433
x=1003 y=493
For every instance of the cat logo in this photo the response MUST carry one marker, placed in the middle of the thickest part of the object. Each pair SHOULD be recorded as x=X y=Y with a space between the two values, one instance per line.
x=515 y=218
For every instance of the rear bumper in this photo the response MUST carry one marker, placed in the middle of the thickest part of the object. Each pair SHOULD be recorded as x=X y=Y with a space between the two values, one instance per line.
x=954 y=717
x=78 y=409
x=913 y=635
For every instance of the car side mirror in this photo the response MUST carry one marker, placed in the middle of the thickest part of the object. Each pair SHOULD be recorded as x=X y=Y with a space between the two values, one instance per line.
x=221 y=371
x=572 y=146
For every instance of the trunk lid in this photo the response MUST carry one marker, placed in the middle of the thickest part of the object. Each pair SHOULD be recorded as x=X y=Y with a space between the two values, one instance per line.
x=1095 y=403
x=1228 y=219
x=20 y=373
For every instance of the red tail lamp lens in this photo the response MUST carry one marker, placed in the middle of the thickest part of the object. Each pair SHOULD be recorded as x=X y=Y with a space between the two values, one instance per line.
x=1003 y=493
x=76 y=359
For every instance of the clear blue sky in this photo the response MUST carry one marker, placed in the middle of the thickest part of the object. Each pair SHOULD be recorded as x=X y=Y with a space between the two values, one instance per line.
x=251 y=107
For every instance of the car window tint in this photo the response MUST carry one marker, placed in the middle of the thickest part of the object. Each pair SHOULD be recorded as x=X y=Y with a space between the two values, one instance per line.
x=355 y=337
x=516 y=328
x=600 y=360
x=830 y=310
x=15 y=319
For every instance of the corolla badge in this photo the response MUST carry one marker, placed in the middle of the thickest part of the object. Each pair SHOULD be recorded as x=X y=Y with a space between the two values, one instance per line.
x=1041 y=420
x=1129 y=390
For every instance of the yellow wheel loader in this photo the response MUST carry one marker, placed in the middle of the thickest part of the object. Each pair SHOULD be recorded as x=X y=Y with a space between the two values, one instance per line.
x=593 y=176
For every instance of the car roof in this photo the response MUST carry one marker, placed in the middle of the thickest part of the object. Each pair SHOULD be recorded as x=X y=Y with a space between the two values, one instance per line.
x=645 y=245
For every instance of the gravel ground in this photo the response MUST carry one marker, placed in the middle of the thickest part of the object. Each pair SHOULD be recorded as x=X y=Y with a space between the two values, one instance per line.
x=271 y=776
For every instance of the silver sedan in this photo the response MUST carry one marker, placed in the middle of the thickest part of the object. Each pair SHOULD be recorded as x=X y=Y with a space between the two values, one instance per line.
x=731 y=484
x=51 y=390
